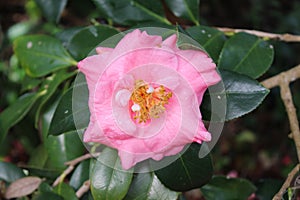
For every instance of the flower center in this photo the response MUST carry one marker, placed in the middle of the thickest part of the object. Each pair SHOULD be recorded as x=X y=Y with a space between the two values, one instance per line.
x=148 y=101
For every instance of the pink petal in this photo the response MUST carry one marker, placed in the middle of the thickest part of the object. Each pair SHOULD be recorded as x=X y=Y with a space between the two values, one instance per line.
x=170 y=43
x=101 y=50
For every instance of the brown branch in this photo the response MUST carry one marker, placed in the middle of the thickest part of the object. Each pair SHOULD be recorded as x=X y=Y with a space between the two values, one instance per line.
x=282 y=37
x=71 y=165
x=289 y=76
x=287 y=183
x=83 y=189
x=287 y=98
x=283 y=80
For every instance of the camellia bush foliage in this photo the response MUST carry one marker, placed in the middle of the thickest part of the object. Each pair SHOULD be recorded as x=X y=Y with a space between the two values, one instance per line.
x=45 y=58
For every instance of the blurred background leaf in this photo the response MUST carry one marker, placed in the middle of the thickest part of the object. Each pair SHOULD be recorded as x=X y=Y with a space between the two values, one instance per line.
x=224 y=188
x=53 y=9
x=186 y=9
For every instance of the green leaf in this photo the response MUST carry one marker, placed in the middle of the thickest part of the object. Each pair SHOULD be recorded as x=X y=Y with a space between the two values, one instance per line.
x=53 y=9
x=68 y=146
x=49 y=87
x=80 y=174
x=47 y=195
x=9 y=172
x=41 y=54
x=211 y=39
x=43 y=172
x=243 y=94
x=29 y=83
x=223 y=188
x=246 y=54
x=80 y=109
x=106 y=182
x=146 y=186
x=16 y=112
x=188 y=171
x=187 y=9
x=129 y=12
x=62 y=121
x=65 y=191
x=38 y=157
x=85 y=40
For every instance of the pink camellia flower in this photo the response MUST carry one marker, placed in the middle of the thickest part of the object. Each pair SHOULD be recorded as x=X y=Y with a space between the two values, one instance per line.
x=144 y=96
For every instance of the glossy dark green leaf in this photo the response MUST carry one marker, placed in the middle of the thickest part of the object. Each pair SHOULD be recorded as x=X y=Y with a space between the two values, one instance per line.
x=246 y=54
x=107 y=180
x=68 y=146
x=211 y=39
x=41 y=54
x=188 y=171
x=85 y=40
x=146 y=186
x=16 y=112
x=49 y=87
x=67 y=34
x=243 y=94
x=53 y=9
x=223 y=188
x=186 y=9
x=9 y=172
x=62 y=120
x=65 y=191
x=80 y=174
x=80 y=109
x=267 y=188
x=129 y=12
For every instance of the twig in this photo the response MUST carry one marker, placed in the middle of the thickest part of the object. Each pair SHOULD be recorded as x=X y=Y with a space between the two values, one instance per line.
x=287 y=183
x=83 y=189
x=283 y=80
x=282 y=37
x=287 y=98
x=289 y=76
x=71 y=165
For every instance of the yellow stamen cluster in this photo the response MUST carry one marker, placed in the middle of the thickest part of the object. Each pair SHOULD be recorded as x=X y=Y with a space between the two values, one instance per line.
x=150 y=101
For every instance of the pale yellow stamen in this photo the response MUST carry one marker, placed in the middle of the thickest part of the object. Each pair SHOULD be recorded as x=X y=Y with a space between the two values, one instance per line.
x=148 y=102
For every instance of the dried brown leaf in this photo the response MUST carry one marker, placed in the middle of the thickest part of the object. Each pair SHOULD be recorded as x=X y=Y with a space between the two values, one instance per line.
x=22 y=187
